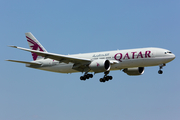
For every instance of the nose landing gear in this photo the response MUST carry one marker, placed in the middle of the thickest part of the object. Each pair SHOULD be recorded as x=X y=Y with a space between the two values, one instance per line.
x=161 y=67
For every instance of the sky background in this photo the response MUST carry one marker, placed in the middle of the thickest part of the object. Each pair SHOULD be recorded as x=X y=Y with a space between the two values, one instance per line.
x=79 y=26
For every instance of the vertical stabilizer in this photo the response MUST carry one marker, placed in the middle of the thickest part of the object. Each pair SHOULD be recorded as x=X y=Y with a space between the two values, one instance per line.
x=34 y=44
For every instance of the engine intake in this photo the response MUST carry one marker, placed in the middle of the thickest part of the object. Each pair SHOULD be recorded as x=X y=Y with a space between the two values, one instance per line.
x=100 y=65
x=134 y=71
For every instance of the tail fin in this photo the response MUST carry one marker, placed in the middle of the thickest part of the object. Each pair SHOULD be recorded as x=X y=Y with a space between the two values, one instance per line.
x=34 y=45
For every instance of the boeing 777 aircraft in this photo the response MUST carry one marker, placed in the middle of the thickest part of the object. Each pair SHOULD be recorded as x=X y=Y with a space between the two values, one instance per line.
x=131 y=61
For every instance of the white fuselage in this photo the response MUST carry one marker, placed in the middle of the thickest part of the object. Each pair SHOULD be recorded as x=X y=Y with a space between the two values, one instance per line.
x=141 y=57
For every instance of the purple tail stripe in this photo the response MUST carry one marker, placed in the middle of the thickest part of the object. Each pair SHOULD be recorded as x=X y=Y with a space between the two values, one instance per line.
x=35 y=46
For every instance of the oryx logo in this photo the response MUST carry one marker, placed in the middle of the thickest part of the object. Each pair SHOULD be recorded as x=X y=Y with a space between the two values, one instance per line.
x=98 y=64
x=34 y=46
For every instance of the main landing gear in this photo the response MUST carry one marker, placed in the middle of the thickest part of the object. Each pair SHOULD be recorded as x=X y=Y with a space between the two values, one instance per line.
x=106 y=77
x=161 y=67
x=86 y=76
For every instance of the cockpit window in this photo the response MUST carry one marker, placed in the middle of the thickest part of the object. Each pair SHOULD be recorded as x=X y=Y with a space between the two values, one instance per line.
x=168 y=52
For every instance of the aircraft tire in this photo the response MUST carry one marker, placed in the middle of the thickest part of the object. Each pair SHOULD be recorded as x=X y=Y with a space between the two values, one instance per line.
x=82 y=78
x=160 y=72
x=87 y=76
x=102 y=80
x=90 y=75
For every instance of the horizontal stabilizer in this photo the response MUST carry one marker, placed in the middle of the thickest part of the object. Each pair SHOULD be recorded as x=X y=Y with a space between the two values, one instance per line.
x=12 y=46
x=31 y=63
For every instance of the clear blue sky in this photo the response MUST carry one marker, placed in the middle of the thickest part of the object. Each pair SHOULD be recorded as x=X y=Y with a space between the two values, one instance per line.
x=77 y=26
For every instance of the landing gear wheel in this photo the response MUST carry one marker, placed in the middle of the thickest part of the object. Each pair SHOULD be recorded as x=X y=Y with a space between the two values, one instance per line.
x=106 y=78
x=86 y=76
x=160 y=71
x=102 y=80
x=82 y=78
x=110 y=77
x=90 y=75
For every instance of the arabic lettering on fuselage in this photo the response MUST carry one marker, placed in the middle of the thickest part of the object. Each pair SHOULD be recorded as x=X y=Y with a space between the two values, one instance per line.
x=101 y=55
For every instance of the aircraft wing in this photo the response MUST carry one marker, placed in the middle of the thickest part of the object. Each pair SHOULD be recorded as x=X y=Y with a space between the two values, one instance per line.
x=58 y=57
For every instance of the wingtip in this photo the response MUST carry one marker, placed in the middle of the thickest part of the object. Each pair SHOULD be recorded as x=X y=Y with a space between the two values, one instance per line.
x=9 y=60
x=12 y=46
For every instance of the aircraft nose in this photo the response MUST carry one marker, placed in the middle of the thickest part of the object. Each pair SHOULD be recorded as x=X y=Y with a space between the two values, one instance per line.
x=174 y=56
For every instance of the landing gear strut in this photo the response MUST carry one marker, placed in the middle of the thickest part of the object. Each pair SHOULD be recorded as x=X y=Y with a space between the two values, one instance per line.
x=106 y=77
x=161 y=67
x=86 y=76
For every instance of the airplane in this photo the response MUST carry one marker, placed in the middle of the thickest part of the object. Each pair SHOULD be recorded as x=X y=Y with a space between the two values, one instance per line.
x=130 y=61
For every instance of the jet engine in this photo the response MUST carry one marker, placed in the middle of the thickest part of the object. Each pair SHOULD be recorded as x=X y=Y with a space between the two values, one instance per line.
x=134 y=71
x=100 y=65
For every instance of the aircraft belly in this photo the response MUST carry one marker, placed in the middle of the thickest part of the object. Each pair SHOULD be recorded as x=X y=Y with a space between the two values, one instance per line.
x=60 y=68
x=157 y=61
x=126 y=64
x=137 y=63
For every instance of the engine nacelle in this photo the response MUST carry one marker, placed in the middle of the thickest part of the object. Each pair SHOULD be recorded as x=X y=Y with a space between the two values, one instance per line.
x=134 y=71
x=100 y=65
